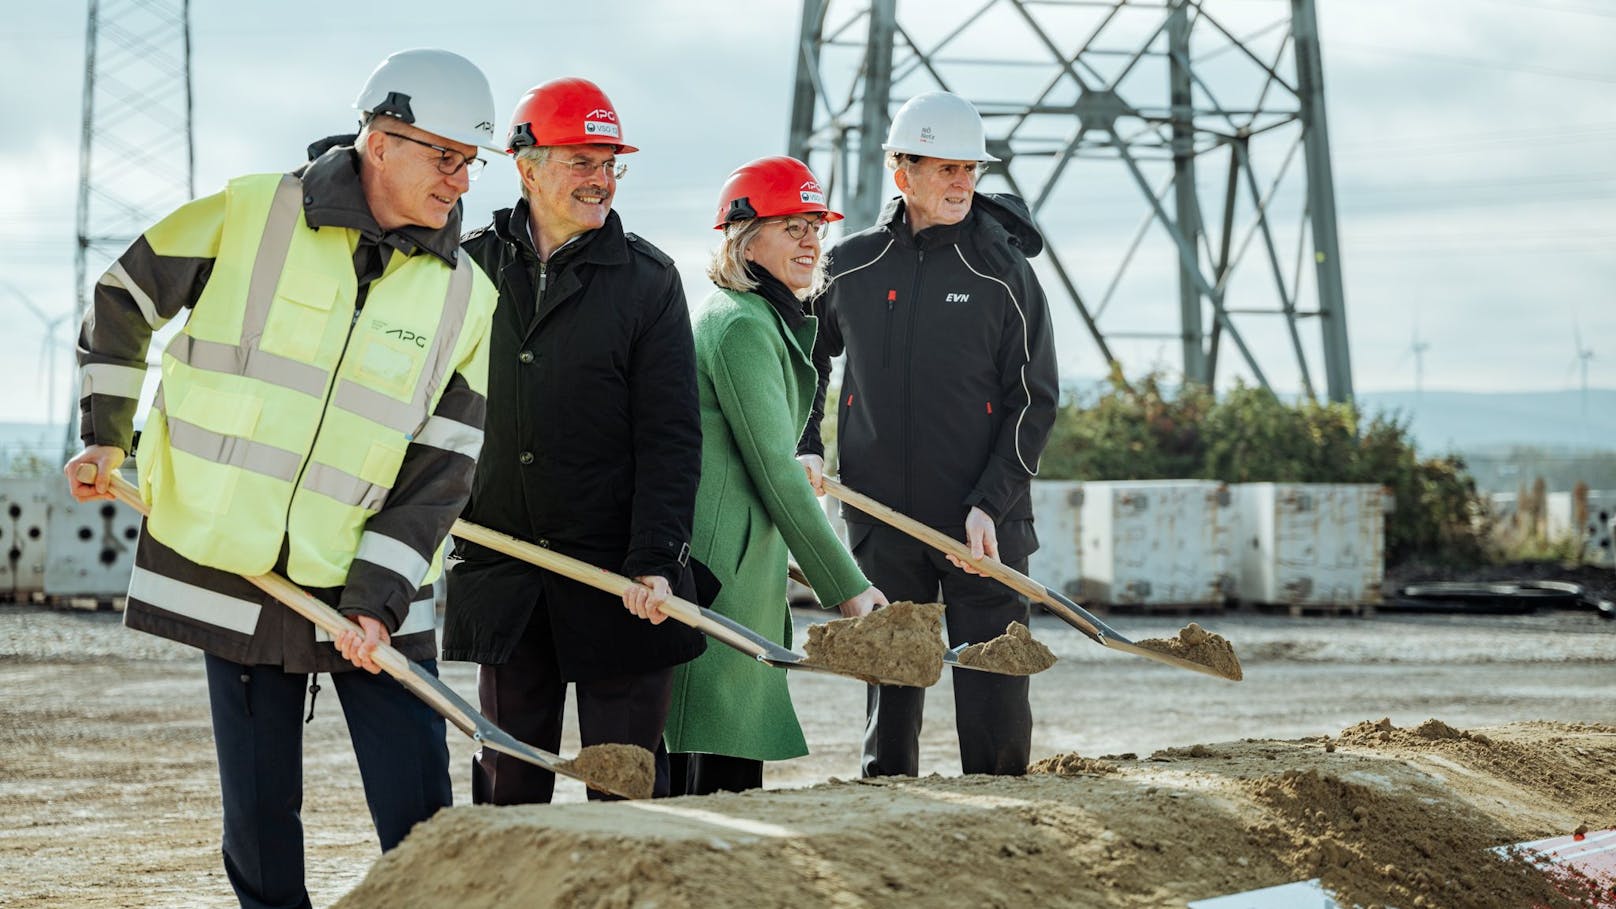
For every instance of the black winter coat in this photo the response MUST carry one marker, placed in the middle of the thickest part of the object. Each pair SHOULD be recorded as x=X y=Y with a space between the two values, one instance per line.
x=592 y=448
x=950 y=385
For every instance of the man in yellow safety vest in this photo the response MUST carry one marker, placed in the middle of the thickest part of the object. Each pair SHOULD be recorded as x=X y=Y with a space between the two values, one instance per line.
x=319 y=415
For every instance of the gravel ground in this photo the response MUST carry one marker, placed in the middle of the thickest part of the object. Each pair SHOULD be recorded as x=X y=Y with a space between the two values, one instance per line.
x=107 y=785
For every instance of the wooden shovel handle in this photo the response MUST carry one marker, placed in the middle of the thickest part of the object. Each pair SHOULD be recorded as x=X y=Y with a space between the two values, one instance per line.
x=678 y=609
x=429 y=688
x=329 y=620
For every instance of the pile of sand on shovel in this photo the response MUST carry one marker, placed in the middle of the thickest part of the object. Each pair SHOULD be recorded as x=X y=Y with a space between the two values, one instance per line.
x=627 y=770
x=1013 y=653
x=1198 y=645
x=901 y=643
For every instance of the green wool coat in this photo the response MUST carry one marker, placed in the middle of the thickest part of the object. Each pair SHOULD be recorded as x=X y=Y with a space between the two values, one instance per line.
x=754 y=503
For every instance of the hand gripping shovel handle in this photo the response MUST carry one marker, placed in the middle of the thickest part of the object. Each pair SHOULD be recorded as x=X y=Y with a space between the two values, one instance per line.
x=422 y=684
x=1068 y=611
x=718 y=627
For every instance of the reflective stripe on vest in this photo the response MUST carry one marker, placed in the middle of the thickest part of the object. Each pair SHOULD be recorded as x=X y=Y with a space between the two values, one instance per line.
x=295 y=432
x=193 y=602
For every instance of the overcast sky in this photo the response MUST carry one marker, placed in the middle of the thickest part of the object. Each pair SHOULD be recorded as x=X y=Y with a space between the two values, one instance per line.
x=1474 y=152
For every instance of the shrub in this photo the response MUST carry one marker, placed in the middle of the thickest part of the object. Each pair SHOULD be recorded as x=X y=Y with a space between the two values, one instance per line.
x=1143 y=432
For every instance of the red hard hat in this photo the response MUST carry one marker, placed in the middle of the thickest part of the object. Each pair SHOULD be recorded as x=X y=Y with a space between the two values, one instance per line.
x=769 y=188
x=567 y=111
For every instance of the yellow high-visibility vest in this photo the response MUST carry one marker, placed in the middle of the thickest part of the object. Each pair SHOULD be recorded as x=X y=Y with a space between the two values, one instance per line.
x=282 y=415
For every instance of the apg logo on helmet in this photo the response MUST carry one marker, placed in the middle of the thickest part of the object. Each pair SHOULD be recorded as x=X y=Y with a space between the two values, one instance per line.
x=602 y=113
x=811 y=193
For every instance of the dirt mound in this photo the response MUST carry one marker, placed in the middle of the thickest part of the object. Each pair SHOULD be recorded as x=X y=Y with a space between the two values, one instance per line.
x=1395 y=822
x=1015 y=652
x=1072 y=764
x=1556 y=766
x=902 y=642
x=1198 y=645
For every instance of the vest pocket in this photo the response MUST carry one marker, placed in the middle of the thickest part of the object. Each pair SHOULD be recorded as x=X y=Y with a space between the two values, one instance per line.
x=382 y=463
x=215 y=426
x=300 y=316
x=384 y=367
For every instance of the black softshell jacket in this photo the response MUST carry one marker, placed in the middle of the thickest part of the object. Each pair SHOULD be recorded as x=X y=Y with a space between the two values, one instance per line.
x=950 y=386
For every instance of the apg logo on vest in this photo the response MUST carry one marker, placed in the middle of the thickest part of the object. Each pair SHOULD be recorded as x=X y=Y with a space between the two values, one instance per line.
x=402 y=334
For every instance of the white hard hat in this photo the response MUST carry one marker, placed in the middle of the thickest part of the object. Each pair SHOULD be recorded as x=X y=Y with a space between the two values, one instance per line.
x=938 y=125
x=435 y=90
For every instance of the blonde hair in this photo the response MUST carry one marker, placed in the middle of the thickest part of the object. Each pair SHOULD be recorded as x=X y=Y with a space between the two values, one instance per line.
x=728 y=267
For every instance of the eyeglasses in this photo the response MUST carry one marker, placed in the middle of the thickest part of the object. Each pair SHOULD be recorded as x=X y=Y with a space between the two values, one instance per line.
x=583 y=169
x=449 y=161
x=797 y=228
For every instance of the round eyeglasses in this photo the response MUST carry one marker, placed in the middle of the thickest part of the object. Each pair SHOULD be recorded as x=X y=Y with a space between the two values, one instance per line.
x=797 y=228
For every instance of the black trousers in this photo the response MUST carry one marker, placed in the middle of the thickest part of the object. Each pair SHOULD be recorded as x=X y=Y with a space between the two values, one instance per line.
x=705 y=774
x=258 y=734
x=992 y=713
x=527 y=697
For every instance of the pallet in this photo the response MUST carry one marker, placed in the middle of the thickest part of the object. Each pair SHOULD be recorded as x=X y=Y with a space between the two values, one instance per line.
x=1298 y=610
x=1154 y=609
x=88 y=603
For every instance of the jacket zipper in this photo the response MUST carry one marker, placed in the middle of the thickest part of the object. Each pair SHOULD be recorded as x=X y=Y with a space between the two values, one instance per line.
x=336 y=372
x=908 y=370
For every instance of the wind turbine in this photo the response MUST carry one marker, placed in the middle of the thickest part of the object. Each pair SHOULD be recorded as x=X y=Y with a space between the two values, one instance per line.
x=1417 y=349
x=47 y=348
x=1584 y=355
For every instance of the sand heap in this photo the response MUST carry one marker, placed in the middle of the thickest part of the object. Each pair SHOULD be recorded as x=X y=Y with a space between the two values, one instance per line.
x=900 y=643
x=1198 y=645
x=626 y=770
x=1014 y=653
x=1383 y=823
x=1072 y=764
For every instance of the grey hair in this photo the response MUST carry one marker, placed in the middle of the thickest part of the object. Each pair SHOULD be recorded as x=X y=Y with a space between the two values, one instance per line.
x=896 y=160
x=728 y=267
x=538 y=154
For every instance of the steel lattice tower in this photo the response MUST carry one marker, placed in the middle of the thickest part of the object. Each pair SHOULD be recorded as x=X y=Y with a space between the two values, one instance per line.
x=136 y=152
x=1197 y=110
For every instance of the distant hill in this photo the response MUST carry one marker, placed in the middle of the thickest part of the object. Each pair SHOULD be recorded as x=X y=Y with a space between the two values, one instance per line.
x=1469 y=421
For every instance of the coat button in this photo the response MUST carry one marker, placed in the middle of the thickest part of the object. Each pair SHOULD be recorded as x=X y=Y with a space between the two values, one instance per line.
x=525 y=356
x=525 y=457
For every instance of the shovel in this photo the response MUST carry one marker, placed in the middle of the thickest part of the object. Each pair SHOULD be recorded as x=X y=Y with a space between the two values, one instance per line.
x=719 y=627
x=422 y=684
x=1068 y=611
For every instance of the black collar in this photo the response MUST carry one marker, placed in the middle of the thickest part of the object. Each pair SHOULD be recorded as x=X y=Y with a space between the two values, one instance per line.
x=779 y=296
x=895 y=218
x=333 y=196
x=605 y=245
